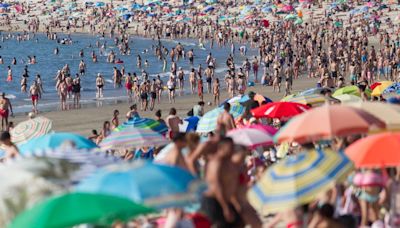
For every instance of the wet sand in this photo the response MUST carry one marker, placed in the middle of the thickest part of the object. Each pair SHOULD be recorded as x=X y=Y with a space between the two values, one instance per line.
x=82 y=121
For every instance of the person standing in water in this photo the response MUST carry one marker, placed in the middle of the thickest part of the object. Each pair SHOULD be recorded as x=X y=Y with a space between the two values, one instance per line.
x=5 y=109
x=100 y=85
x=34 y=90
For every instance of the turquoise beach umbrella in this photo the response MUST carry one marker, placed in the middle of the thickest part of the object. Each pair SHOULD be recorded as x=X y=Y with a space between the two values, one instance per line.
x=56 y=140
x=154 y=185
x=208 y=122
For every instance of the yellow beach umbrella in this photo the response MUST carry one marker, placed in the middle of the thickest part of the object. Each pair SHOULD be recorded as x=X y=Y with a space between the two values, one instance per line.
x=298 y=180
x=311 y=99
x=378 y=90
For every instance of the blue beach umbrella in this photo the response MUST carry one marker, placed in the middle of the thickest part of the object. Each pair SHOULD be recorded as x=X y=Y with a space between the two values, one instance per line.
x=56 y=140
x=4 y=5
x=144 y=123
x=99 y=4
x=298 y=179
x=208 y=122
x=155 y=185
x=395 y=87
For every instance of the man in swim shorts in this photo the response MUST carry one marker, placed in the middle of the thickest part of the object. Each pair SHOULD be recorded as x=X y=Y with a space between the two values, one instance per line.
x=34 y=91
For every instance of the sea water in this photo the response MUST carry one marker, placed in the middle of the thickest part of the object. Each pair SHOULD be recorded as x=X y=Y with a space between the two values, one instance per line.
x=48 y=64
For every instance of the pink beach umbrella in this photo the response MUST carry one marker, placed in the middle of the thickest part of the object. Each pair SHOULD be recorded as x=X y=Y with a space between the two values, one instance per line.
x=266 y=128
x=287 y=8
x=250 y=138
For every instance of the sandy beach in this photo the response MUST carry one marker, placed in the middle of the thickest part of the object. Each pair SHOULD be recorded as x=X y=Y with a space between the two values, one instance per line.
x=83 y=120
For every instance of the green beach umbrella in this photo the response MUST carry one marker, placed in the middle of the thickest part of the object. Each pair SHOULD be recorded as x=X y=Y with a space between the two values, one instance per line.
x=291 y=17
x=79 y=208
x=298 y=21
x=352 y=90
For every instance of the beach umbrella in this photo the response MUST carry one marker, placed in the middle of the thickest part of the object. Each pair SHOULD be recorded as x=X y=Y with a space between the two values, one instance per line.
x=378 y=90
x=267 y=9
x=88 y=161
x=327 y=122
x=298 y=180
x=266 y=128
x=30 y=129
x=288 y=8
x=388 y=113
x=312 y=99
x=144 y=123
x=395 y=87
x=4 y=5
x=133 y=137
x=353 y=90
x=208 y=122
x=258 y=97
x=290 y=17
x=99 y=4
x=209 y=9
x=375 y=151
x=348 y=98
x=280 y=109
x=312 y=91
x=249 y=137
x=79 y=208
x=155 y=185
x=211 y=1
x=298 y=21
x=57 y=140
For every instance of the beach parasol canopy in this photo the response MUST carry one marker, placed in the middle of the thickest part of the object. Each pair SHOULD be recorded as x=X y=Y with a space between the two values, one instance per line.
x=57 y=140
x=348 y=98
x=298 y=21
x=4 y=5
x=99 y=4
x=88 y=161
x=290 y=17
x=155 y=185
x=250 y=137
x=133 y=137
x=327 y=122
x=208 y=122
x=287 y=8
x=388 y=113
x=280 y=109
x=312 y=99
x=144 y=123
x=298 y=179
x=375 y=151
x=394 y=88
x=353 y=90
x=30 y=129
x=379 y=89
x=266 y=128
x=79 y=208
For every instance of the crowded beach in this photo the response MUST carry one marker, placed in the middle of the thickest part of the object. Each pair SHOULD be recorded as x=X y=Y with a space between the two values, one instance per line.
x=200 y=114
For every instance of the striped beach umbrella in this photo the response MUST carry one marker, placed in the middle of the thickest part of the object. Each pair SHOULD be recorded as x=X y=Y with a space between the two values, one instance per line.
x=298 y=179
x=144 y=123
x=88 y=160
x=30 y=129
x=133 y=138
x=310 y=99
x=208 y=122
